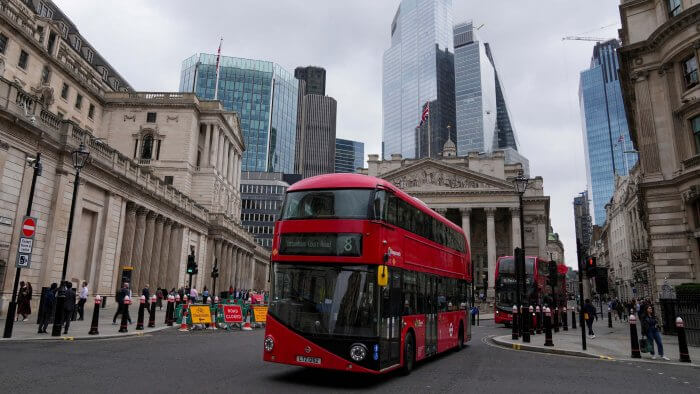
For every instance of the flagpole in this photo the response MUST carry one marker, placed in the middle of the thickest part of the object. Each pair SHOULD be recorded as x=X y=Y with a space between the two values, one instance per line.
x=429 y=132
x=624 y=159
x=218 y=58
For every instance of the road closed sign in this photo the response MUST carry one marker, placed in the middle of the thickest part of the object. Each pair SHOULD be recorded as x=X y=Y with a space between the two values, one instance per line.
x=233 y=314
x=200 y=314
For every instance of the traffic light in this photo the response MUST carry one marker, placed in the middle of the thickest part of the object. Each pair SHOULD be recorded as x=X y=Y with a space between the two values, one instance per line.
x=591 y=267
x=601 y=280
x=215 y=272
x=553 y=274
x=191 y=265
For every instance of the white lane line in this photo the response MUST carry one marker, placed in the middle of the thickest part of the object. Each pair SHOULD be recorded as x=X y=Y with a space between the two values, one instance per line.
x=661 y=373
x=674 y=378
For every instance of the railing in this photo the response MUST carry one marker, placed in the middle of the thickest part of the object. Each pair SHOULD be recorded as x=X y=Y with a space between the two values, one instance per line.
x=158 y=96
x=50 y=119
x=145 y=162
x=691 y=162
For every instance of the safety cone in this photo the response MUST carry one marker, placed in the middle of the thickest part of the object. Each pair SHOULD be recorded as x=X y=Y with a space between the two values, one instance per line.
x=183 y=323
x=246 y=325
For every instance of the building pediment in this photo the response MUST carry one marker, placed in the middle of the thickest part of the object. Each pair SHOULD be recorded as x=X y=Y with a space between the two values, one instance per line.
x=433 y=175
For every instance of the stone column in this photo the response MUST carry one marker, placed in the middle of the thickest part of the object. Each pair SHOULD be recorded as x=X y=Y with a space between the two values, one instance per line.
x=172 y=273
x=160 y=277
x=209 y=258
x=207 y=145
x=231 y=263
x=541 y=236
x=137 y=253
x=214 y=145
x=232 y=160
x=466 y=224
x=240 y=263
x=147 y=256
x=491 y=249
x=234 y=264
x=224 y=161
x=227 y=263
x=251 y=269
x=155 y=253
x=220 y=153
x=129 y=229
x=515 y=227
x=222 y=264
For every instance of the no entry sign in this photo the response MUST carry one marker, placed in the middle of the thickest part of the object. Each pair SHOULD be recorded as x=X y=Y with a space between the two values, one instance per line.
x=28 y=227
x=233 y=314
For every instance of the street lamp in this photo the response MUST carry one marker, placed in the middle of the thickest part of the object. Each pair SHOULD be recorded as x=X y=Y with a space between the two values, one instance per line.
x=520 y=182
x=80 y=158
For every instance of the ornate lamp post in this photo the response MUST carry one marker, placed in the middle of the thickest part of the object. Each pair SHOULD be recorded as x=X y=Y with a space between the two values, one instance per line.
x=520 y=182
x=80 y=158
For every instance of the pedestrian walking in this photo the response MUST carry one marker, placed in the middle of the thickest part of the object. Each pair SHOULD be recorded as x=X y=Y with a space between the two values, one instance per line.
x=68 y=305
x=160 y=294
x=193 y=295
x=47 y=313
x=650 y=330
x=24 y=308
x=120 y=302
x=146 y=292
x=589 y=313
x=82 y=301
x=205 y=295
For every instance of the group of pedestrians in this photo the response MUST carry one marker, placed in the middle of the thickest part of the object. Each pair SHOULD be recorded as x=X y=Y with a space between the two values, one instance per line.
x=70 y=310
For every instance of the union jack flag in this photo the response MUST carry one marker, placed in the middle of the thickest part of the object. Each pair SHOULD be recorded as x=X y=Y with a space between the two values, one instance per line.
x=425 y=113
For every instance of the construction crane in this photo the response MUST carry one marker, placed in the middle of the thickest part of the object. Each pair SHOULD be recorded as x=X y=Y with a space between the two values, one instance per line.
x=578 y=38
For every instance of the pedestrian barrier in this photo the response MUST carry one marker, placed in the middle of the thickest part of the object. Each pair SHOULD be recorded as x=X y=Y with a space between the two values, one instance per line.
x=564 y=319
x=538 y=317
x=682 y=342
x=514 y=322
x=183 y=318
x=169 y=311
x=95 y=317
x=524 y=318
x=556 y=319
x=634 y=340
x=152 y=313
x=142 y=306
x=532 y=321
x=548 y=327
x=573 y=318
x=125 y=314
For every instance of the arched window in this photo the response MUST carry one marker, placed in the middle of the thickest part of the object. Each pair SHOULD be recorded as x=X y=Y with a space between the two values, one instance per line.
x=147 y=149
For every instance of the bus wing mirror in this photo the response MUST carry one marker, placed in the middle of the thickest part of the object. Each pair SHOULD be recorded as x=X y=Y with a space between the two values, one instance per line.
x=383 y=275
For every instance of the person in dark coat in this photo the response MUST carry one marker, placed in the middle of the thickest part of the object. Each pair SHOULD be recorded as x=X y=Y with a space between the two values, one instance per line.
x=120 y=302
x=588 y=315
x=48 y=311
x=650 y=330
x=23 y=301
x=68 y=305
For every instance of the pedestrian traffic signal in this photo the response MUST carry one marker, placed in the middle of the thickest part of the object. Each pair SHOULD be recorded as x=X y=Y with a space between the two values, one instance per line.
x=553 y=274
x=215 y=273
x=191 y=265
x=591 y=266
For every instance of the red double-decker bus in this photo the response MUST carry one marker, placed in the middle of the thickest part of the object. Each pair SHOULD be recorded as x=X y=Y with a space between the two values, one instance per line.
x=536 y=272
x=537 y=286
x=365 y=278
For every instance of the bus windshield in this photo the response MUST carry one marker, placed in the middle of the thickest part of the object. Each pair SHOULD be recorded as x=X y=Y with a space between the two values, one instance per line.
x=327 y=204
x=325 y=300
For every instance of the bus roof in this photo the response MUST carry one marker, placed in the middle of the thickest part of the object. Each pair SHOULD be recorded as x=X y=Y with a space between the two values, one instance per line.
x=359 y=181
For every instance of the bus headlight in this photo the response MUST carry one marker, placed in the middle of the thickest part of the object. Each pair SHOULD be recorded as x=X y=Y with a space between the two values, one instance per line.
x=269 y=343
x=358 y=352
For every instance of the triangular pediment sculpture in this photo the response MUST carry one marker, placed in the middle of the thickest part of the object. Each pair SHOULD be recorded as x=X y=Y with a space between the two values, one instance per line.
x=432 y=175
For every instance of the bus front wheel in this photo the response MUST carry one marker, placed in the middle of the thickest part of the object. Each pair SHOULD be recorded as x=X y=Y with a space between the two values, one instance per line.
x=409 y=354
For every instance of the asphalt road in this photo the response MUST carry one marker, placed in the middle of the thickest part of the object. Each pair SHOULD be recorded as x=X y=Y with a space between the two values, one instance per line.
x=222 y=361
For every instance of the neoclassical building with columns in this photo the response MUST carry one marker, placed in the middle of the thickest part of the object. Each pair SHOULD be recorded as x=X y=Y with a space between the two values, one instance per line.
x=162 y=182
x=477 y=193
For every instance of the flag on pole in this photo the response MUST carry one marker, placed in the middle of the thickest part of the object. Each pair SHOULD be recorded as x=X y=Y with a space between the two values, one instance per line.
x=425 y=113
x=218 y=58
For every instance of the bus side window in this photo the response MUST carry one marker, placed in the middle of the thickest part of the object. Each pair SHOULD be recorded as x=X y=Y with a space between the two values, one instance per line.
x=442 y=295
x=379 y=205
x=390 y=210
x=409 y=293
x=420 y=296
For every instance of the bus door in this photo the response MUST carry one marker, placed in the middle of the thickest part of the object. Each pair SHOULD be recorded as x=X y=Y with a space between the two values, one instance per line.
x=431 y=315
x=390 y=327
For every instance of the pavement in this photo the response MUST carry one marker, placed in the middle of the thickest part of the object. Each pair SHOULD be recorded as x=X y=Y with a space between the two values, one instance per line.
x=78 y=330
x=610 y=343
x=231 y=361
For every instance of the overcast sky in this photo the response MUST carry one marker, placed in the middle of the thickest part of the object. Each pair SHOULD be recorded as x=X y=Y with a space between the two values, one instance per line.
x=147 y=40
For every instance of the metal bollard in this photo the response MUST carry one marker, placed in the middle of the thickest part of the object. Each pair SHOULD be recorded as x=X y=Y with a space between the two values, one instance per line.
x=573 y=318
x=95 y=317
x=555 y=319
x=524 y=318
x=634 y=340
x=609 y=319
x=169 y=310
x=514 y=322
x=548 y=327
x=564 y=320
x=682 y=343
x=177 y=300
x=125 y=314
x=152 y=313
x=531 y=320
x=538 y=317
x=142 y=306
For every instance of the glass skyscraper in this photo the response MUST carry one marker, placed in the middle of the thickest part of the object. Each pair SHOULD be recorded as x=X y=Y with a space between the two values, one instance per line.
x=605 y=133
x=416 y=70
x=349 y=155
x=483 y=120
x=265 y=97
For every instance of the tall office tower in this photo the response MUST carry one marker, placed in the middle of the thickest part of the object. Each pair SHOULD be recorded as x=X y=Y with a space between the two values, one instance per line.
x=418 y=68
x=582 y=221
x=317 y=136
x=316 y=120
x=605 y=133
x=315 y=78
x=265 y=97
x=483 y=119
x=349 y=155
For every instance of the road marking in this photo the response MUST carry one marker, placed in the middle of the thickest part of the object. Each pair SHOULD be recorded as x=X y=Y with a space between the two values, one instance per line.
x=661 y=373
x=674 y=378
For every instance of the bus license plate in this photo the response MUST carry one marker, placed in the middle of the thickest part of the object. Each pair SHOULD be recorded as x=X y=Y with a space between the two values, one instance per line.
x=309 y=360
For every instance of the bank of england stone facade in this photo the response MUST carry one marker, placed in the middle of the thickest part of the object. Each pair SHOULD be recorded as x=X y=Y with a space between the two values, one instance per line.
x=477 y=193
x=162 y=183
